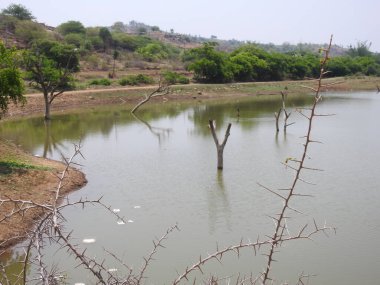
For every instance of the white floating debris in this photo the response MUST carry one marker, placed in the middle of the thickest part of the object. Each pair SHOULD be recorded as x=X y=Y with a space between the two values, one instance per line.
x=116 y=210
x=79 y=284
x=120 y=223
x=37 y=155
x=137 y=207
x=112 y=270
x=130 y=221
x=88 y=240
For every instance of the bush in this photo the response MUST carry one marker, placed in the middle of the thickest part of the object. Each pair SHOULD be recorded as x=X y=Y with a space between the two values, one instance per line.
x=171 y=77
x=71 y=27
x=183 y=79
x=74 y=39
x=129 y=42
x=136 y=80
x=29 y=31
x=102 y=81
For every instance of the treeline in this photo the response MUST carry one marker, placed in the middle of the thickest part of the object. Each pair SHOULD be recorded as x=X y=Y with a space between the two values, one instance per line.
x=133 y=45
x=251 y=63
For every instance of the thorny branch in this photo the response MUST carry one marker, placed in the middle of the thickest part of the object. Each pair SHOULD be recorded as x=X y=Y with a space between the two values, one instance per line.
x=280 y=222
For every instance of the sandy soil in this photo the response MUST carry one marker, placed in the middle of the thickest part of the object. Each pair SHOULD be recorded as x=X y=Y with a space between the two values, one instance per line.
x=35 y=185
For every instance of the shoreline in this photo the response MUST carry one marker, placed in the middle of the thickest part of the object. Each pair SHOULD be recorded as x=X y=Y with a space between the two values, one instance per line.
x=89 y=98
x=29 y=178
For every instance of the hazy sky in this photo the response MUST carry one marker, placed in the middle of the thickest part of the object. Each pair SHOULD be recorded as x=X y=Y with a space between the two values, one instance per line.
x=264 y=21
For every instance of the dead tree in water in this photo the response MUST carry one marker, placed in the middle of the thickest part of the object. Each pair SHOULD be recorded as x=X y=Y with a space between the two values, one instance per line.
x=163 y=89
x=219 y=147
x=277 y=116
x=286 y=114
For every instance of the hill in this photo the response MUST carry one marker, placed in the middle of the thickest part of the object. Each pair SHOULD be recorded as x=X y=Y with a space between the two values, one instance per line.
x=136 y=49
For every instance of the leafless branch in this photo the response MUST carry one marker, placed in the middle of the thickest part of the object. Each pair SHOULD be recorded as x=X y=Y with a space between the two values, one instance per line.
x=162 y=90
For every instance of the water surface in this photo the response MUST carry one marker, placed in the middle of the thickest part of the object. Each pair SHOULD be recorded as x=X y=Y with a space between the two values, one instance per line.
x=159 y=169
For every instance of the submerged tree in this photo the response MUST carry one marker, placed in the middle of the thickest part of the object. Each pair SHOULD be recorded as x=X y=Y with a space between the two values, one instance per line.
x=11 y=83
x=219 y=147
x=50 y=67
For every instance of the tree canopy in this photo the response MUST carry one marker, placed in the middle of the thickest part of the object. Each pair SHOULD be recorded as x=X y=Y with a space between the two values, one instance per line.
x=11 y=83
x=18 y=11
x=50 y=66
x=71 y=27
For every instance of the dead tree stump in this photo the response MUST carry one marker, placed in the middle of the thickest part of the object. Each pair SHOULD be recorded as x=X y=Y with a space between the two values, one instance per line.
x=219 y=147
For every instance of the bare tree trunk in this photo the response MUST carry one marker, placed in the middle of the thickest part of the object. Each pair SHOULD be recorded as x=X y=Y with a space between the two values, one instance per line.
x=219 y=147
x=287 y=115
x=277 y=116
x=113 y=68
x=47 y=106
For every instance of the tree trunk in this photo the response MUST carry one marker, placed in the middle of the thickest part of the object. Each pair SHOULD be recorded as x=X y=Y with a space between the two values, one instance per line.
x=113 y=69
x=219 y=147
x=47 y=106
x=220 y=157
x=277 y=116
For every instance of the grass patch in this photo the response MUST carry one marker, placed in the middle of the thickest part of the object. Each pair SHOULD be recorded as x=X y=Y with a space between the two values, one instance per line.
x=7 y=167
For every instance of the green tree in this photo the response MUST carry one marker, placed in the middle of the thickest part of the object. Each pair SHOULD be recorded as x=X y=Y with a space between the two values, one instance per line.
x=210 y=65
x=18 y=11
x=74 y=39
x=50 y=66
x=11 y=83
x=142 y=30
x=153 y=52
x=248 y=67
x=71 y=27
x=106 y=37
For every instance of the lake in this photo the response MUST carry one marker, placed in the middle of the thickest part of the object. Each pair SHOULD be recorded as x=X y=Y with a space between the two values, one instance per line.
x=159 y=169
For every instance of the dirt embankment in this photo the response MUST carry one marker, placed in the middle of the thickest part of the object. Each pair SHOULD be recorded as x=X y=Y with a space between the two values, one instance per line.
x=28 y=178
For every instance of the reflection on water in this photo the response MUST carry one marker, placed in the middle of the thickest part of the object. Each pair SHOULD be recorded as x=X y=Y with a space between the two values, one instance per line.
x=218 y=203
x=164 y=161
x=13 y=265
x=160 y=133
